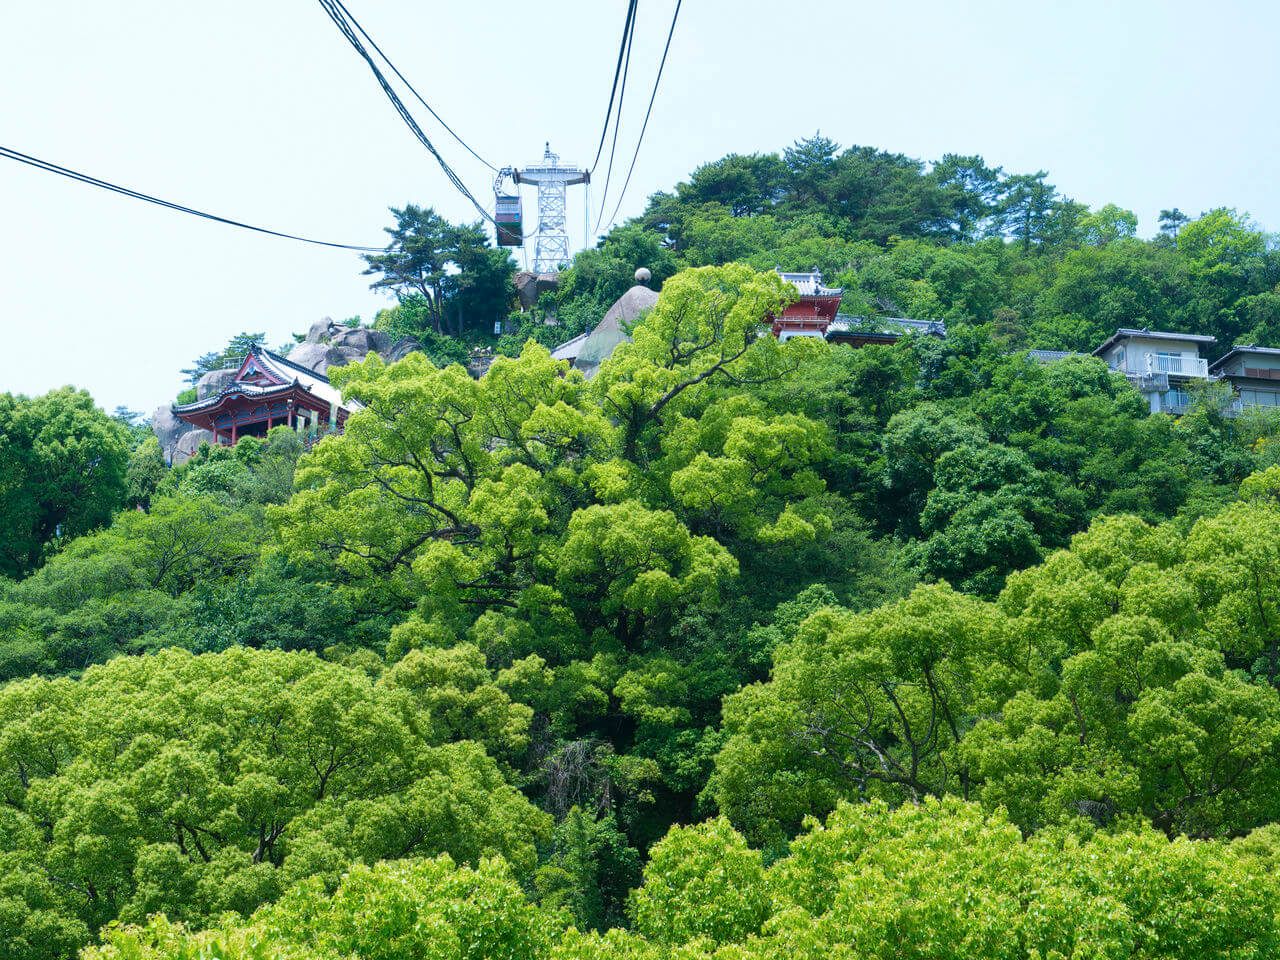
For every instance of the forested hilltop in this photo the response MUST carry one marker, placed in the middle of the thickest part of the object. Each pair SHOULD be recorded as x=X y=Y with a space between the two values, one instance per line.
x=741 y=648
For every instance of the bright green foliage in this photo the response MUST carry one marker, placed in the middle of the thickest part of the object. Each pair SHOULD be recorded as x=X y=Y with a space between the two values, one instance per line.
x=623 y=565
x=62 y=473
x=939 y=881
x=253 y=472
x=144 y=473
x=579 y=588
x=702 y=881
x=877 y=701
x=428 y=908
x=195 y=785
x=704 y=329
x=555 y=532
x=1132 y=673
x=453 y=697
x=106 y=592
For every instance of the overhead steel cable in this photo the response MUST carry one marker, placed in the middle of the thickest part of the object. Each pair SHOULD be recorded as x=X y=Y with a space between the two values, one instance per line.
x=332 y=8
x=373 y=43
x=644 y=126
x=137 y=195
x=627 y=27
x=622 y=93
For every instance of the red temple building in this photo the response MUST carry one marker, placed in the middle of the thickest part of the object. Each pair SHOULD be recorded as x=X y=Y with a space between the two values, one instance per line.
x=268 y=391
x=812 y=312
x=816 y=313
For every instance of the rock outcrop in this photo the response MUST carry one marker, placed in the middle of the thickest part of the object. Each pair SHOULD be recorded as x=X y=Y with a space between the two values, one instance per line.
x=613 y=329
x=530 y=286
x=213 y=382
x=168 y=430
x=402 y=349
x=188 y=444
x=315 y=356
x=324 y=330
x=365 y=339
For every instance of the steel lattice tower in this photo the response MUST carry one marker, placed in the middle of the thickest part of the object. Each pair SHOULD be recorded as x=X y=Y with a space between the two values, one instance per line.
x=551 y=177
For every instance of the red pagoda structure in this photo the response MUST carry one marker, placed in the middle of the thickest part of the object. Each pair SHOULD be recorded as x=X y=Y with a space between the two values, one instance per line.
x=268 y=391
x=812 y=312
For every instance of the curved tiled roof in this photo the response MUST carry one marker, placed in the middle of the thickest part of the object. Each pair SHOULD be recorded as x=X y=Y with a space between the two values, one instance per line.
x=292 y=374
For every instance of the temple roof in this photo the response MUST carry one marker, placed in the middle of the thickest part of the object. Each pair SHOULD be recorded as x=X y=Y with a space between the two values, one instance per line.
x=810 y=284
x=289 y=375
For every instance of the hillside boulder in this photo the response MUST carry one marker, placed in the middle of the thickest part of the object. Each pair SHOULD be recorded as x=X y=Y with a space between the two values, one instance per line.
x=168 y=430
x=324 y=330
x=401 y=349
x=364 y=339
x=188 y=444
x=318 y=357
x=614 y=329
x=214 y=382
x=530 y=286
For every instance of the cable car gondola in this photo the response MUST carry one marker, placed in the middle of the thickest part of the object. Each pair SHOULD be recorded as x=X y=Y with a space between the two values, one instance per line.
x=508 y=213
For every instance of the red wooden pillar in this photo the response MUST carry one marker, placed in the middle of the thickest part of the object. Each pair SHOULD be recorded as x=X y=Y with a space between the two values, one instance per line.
x=233 y=433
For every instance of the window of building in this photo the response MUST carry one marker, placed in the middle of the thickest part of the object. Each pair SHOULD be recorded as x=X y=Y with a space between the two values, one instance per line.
x=1169 y=362
x=1259 y=398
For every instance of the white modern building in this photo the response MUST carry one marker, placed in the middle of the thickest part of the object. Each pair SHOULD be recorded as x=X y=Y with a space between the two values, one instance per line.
x=1161 y=365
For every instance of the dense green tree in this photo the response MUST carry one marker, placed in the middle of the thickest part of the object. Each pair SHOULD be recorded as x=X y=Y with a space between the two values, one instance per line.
x=195 y=785
x=940 y=881
x=462 y=282
x=63 y=465
x=590 y=870
x=1100 y=685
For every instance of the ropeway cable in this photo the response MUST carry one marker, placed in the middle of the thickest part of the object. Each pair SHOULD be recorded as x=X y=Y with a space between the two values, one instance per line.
x=644 y=126
x=138 y=195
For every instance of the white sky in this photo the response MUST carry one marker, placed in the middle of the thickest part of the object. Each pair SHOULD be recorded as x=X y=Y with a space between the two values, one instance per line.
x=260 y=111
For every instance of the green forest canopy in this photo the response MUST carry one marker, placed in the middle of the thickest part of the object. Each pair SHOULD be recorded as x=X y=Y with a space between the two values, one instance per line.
x=739 y=648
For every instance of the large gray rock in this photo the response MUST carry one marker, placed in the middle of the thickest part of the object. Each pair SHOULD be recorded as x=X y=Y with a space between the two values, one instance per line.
x=324 y=330
x=316 y=356
x=213 y=382
x=364 y=339
x=526 y=289
x=401 y=349
x=168 y=430
x=344 y=355
x=530 y=286
x=613 y=329
x=188 y=444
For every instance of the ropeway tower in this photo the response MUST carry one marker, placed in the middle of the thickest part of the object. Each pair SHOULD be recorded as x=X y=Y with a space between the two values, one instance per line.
x=551 y=177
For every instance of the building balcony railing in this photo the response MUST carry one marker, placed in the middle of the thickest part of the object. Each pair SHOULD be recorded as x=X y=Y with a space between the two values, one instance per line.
x=1177 y=365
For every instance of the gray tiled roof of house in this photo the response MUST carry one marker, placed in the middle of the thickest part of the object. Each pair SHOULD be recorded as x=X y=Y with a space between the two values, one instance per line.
x=1242 y=348
x=569 y=349
x=844 y=323
x=1126 y=332
x=1049 y=356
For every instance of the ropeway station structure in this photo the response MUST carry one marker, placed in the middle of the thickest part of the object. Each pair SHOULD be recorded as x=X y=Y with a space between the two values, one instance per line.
x=552 y=178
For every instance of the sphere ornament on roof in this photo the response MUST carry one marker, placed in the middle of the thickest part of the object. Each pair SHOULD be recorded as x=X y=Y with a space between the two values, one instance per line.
x=643 y=276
